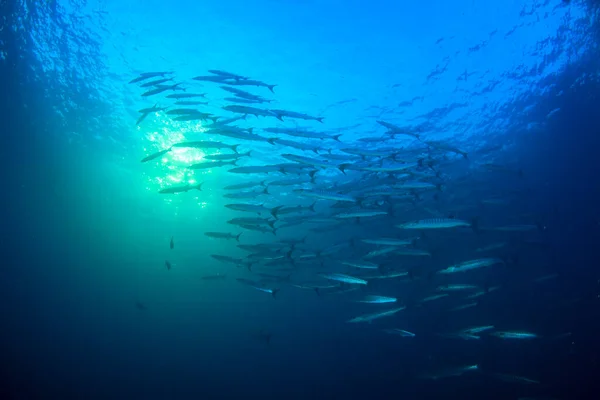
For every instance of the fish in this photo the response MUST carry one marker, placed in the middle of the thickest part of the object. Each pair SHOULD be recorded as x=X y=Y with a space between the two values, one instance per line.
x=292 y=114
x=456 y=287
x=360 y=264
x=227 y=157
x=156 y=155
x=257 y=286
x=514 y=335
x=168 y=265
x=372 y=299
x=160 y=89
x=252 y=221
x=256 y=208
x=373 y=316
x=400 y=332
x=344 y=278
x=435 y=223
x=246 y=185
x=181 y=189
x=389 y=241
x=206 y=145
x=223 y=235
x=147 y=75
x=252 y=82
x=471 y=264
x=179 y=96
x=228 y=75
x=251 y=110
x=156 y=82
x=323 y=195
x=211 y=164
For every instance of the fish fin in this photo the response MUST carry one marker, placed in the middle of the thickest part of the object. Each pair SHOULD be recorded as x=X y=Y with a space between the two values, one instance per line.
x=320 y=119
x=199 y=186
x=237 y=237
x=234 y=148
x=272 y=140
x=312 y=206
x=335 y=137
x=274 y=211
x=271 y=87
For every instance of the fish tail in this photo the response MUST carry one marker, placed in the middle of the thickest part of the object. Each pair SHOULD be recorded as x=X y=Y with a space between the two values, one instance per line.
x=312 y=206
x=234 y=148
x=199 y=186
x=335 y=137
x=272 y=140
x=320 y=119
x=271 y=87
x=342 y=167
x=237 y=237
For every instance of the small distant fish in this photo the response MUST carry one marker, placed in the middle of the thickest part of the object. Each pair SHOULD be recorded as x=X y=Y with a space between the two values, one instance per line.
x=400 y=332
x=168 y=265
x=472 y=264
x=436 y=223
x=377 y=300
x=373 y=316
x=514 y=335
x=456 y=287
x=272 y=291
x=223 y=235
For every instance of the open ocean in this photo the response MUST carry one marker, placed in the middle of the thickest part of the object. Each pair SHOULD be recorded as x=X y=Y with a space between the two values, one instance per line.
x=299 y=199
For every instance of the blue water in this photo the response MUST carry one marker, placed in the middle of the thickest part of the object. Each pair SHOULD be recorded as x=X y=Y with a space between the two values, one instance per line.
x=89 y=310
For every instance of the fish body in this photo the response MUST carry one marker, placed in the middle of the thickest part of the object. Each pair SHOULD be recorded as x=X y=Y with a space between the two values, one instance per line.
x=181 y=189
x=373 y=316
x=223 y=235
x=156 y=155
x=377 y=300
x=344 y=278
x=400 y=332
x=435 y=223
x=471 y=264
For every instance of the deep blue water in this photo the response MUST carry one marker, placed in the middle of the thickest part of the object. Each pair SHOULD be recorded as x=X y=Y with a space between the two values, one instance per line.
x=89 y=310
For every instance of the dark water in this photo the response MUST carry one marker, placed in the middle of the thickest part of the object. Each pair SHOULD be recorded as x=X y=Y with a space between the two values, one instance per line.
x=90 y=312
